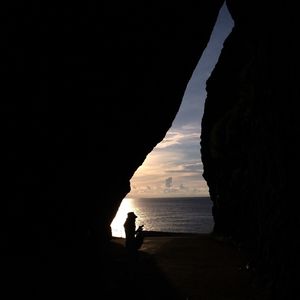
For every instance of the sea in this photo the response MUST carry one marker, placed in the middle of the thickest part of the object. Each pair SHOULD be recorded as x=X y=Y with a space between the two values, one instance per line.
x=182 y=215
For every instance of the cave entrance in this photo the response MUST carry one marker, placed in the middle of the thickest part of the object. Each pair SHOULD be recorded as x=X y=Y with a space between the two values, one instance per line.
x=168 y=192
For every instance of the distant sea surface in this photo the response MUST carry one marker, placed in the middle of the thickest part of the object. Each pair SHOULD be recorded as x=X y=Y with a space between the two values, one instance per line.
x=189 y=215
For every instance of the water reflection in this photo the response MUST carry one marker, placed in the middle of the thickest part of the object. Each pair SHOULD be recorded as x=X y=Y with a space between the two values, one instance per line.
x=190 y=214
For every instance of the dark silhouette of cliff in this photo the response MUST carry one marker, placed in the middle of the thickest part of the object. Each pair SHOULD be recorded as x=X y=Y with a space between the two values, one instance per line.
x=89 y=89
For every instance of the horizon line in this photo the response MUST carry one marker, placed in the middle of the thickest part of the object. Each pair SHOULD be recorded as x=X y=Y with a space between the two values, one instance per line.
x=157 y=197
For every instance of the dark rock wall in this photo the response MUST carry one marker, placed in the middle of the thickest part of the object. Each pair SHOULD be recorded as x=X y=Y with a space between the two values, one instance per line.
x=88 y=89
x=249 y=139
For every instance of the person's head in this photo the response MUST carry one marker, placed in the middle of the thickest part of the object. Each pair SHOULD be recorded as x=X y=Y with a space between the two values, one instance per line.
x=131 y=215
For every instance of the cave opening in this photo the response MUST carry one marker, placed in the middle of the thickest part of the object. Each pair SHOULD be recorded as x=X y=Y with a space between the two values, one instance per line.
x=168 y=191
x=104 y=83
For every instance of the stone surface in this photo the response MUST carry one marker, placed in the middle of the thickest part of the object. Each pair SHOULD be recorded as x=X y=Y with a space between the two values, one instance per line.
x=88 y=90
x=248 y=139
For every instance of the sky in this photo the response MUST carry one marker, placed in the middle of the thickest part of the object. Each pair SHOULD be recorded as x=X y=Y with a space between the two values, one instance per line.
x=174 y=167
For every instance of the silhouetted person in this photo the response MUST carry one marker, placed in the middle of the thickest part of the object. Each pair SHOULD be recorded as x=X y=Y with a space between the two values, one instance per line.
x=134 y=237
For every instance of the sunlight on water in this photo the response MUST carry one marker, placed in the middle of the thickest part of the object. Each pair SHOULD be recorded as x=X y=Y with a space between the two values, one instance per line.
x=117 y=228
x=189 y=214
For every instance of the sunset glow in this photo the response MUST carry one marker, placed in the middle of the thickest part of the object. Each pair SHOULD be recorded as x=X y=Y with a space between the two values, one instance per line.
x=174 y=168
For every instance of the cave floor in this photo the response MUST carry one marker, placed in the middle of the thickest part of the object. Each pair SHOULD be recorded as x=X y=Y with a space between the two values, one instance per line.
x=183 y=266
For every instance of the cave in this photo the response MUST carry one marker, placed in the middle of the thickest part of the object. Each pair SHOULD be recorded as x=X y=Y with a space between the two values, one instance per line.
x=81 y=81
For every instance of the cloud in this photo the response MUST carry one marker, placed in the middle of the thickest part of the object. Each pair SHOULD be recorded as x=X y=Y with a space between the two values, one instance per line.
x=168 y=182
x=189 y=168
x=183 y=135
x=183 y=187
x=171 y=191
x=172 y=138
x=163 y=167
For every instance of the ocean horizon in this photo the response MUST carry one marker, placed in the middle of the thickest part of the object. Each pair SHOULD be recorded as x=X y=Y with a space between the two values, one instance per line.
x=166 y=214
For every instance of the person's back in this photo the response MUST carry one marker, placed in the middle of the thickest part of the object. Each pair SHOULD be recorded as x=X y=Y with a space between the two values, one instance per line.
x=129 y=227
